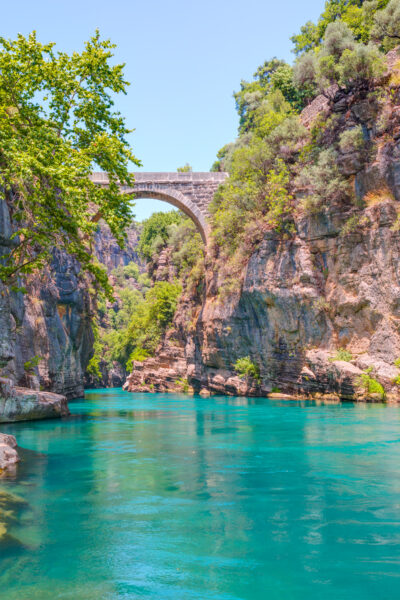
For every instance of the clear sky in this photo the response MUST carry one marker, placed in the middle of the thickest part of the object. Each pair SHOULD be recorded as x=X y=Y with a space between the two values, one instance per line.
x=184 y=60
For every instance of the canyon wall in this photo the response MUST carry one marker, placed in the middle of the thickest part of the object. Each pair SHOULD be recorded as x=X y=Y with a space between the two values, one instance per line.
x=335 y=284
x=47 y=336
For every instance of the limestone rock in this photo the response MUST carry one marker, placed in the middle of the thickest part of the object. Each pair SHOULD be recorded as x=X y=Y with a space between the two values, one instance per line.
x=22 y=404
x=8 y=452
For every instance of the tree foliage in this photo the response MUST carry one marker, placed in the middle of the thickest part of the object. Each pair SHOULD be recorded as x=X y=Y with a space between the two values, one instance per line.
x=340 y=61
x=322 y=182
x=155 y=231
x=57 y=124
x=185 y=169
x=246 y=368
x=386 y=26
x=358 y=15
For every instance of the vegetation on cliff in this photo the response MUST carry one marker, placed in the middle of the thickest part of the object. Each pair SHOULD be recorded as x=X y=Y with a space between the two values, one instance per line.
x=279 y=168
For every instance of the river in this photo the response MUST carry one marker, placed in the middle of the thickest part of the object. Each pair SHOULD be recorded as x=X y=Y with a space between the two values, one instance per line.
x=176 y=497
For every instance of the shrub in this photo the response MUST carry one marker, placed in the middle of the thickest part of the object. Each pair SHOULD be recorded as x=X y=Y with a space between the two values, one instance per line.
x=187 y=254
x=379 y=195
x=305 y=69
x=278 y=201
x=282 y=80
x=183 y=383
x=323 y=182
x=93 y=367
x=396 y=380
x=244 y=367
x=342 y=354
x=162 y=300
x=386 y=27
x=353 y=224
x=31 y=364
x=352 y=140
x=340 y=61
x=139 y=354
x=121 y=273
x=359 y=65
x=288 y=136
x=369 y=384
x=131 y=270
x=321 y=304
x=338 y=38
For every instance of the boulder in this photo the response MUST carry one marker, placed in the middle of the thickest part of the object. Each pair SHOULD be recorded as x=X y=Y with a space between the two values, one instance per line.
x=22 y=404
x=8 y=453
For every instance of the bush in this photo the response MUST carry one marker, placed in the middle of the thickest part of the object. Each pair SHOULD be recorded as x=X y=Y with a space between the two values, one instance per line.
x=139 y=354
x=187 y=253
x=352 y=140
x=369 y=384
x=161 y=302
x=386 y=27
x=340 y=61
x=131 y=270
x=342 y=354
x=338 y=38
x=122 y=273
x=359 y=65
x=322 y=182
x=31 y=364
x=244 y=367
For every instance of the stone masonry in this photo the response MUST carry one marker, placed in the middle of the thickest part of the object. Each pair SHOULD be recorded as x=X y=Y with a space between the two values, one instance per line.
x=190 y=192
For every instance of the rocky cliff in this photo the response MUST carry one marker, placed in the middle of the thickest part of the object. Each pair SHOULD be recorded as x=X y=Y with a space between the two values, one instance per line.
x=47 y=336
x=32 y=329
x=111 y=255
x=335 y=284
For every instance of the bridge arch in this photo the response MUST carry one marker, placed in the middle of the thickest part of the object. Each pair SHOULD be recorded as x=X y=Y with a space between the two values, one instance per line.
x=180 y=201
x=191 y=192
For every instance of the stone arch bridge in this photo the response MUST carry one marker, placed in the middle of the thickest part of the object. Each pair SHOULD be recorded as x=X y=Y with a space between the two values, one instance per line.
x=190 y=192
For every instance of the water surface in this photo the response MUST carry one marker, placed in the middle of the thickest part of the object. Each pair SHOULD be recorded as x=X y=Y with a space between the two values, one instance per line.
x=172 y=497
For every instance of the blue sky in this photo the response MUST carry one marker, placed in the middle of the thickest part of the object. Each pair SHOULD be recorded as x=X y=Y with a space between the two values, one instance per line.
x=183 y=59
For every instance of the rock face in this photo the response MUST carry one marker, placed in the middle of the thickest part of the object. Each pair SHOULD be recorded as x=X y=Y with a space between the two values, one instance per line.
x=46 y=336
x=110 y=377
x=8 y=452
x=51 y=324
x=330 y=286
x=110 y=254
x=52 y=321
x=322 y=290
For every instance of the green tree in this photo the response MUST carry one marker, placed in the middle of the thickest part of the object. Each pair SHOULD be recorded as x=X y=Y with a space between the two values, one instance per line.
x=155 y=231
x=386 y=27
x=340 y=61
x=185 y=169
x=246 y=368
x=357 y=14
x=56 y=126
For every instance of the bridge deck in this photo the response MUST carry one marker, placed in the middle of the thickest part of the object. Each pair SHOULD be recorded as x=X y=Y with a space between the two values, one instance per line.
x=167 y=177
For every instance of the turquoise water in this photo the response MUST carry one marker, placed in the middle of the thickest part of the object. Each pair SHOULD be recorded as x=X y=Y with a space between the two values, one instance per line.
x=162 y=497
